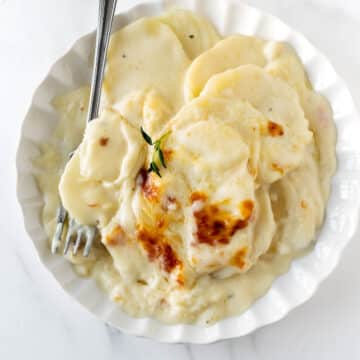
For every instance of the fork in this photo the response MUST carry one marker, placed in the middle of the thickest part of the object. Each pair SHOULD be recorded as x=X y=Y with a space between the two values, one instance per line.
x=78 y=232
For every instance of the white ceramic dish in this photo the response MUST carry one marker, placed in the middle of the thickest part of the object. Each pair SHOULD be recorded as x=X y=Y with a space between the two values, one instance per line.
x=289 y=290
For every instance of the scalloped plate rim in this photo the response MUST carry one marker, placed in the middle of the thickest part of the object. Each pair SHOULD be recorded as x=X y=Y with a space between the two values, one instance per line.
x=190 y=333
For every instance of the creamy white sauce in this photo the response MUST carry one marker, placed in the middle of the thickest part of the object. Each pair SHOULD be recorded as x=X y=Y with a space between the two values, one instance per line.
x=220 y=99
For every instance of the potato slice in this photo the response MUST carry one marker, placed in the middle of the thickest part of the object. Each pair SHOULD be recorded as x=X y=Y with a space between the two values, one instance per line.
x=227 y=54
x=286 y=134
x=194 y=32
x=145 y=55
x=109 y=154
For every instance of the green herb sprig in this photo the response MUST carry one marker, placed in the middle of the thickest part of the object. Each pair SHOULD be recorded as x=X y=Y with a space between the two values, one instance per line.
x=157 y=154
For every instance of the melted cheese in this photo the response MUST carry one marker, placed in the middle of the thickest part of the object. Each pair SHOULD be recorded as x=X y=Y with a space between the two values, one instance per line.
x=249 y=155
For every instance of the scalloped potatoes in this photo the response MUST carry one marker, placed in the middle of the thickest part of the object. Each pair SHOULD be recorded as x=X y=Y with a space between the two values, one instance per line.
x=247 y=154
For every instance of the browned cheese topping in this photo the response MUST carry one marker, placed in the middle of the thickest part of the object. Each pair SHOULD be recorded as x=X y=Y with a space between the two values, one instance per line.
x=275 y=129
x=157 y=248
x=217 y=226
x=103 y=141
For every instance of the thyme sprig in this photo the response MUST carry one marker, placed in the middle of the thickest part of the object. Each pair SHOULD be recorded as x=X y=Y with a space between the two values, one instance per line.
x=157 y=153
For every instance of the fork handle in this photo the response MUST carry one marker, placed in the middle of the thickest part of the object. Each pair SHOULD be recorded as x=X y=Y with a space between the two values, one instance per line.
x=106 y=14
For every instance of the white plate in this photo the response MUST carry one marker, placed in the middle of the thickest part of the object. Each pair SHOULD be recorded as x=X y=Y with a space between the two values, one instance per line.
x=289 y=290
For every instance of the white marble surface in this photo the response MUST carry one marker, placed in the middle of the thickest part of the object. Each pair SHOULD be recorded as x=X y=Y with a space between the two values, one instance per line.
x=37 y=320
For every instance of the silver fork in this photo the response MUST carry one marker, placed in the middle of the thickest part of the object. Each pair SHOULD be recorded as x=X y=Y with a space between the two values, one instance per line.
x=77 y=232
